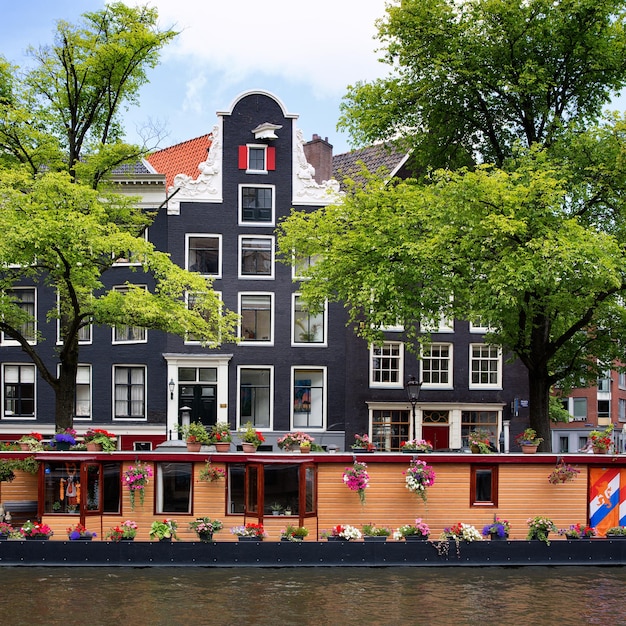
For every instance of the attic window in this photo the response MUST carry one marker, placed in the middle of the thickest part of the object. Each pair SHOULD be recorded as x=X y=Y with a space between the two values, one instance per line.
x=257 y=159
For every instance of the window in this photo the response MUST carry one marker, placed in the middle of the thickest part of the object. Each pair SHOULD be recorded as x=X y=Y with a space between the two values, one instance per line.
x=204 y=254
x=484 y=485
x=82 y=403
x=256 y=317
x=173 y=493
x=437 y=365
x=390 y=427
x=604 y=408
x=255 y=396
x=604 y=382
x=129 y=334
x=302 y=264
x=621 y=380
x=307 y=327
x=19 y=390
x=387 y=365
x=131 y=257
x=579 y=409
x=485 y=366
x=479 y=420
x=622 y=410
x=63 y=486
x=84 y=332
x=257 y=205
x=130 y=392
x=257 y=159
x=24 y=298
x=192 y=303
x=564 y=444
x=289 y=489
x=308 y=398
x=256 y=257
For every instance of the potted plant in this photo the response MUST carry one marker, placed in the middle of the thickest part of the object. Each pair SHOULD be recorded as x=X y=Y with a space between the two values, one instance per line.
x=601 y=440
x=210 y=474
x=371 y=532
x=195 y=434
x=413 y=532
x=205 y=527
x=33 y=530
x=220 y=436
x=32 y=441
x=127 y=531
x=578 y=531
x=305 y=447
x=249 y=532
x=498 y=530
x=616 y=532
x=343 y=532
x=528 y=441
x=78 y=532
x=362 y=443
x=251 y=438
x=164 y=530
x=294 y=441
x=416 y=445
x=461 y=532
x=479 y=442
x=418 y=477
x=539 y=528
x=293 y=533
x=276 y=508
x=562 y=473
x=357 y=479
x=64 y=439
x=136 y=477
x=98 y=439
x=6 y=530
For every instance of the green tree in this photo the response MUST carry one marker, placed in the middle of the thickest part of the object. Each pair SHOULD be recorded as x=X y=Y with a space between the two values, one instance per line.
x=64 y=224
x=531 y=245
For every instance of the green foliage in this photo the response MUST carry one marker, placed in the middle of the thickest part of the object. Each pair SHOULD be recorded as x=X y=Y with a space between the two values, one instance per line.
x=64 y=226
x=8 y=467
x=469 y=79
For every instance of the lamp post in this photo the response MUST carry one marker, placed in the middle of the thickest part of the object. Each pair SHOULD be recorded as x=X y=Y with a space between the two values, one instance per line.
x=413 y=387
x=171 y=386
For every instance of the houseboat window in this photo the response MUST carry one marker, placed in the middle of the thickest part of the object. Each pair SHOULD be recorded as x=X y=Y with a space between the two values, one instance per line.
x=271 y=488
x=564 y=444
x=174 y=487
x=390 y=427
x=484 y=485
x=63 y=490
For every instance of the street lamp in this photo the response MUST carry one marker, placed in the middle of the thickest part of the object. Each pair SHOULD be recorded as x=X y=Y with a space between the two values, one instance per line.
x=413 y=387
x=171 y=385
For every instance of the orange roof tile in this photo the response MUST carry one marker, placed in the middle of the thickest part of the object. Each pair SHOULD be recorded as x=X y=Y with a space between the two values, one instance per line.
x=183 y=158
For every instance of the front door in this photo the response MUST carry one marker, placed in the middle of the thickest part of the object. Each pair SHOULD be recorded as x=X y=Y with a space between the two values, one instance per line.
x=439 y=436
x=201 y=399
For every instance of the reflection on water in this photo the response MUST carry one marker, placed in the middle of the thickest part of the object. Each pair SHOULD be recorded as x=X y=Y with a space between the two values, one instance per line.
x=538 y=596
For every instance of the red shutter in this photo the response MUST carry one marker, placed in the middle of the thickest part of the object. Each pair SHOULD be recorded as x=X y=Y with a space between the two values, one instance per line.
x=271 y=158
x=243 y=157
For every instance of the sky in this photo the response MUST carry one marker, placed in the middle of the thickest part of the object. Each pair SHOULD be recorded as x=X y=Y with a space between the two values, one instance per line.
x=304 y=53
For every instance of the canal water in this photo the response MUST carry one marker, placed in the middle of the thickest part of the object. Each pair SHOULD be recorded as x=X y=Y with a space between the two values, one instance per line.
x=525 y=596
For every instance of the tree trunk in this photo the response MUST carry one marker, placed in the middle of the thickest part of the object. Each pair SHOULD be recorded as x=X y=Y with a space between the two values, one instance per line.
x=539 y=402
x=65 y=403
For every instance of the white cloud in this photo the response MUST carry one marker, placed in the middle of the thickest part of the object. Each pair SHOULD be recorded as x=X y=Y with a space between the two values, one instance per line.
x=324 y=45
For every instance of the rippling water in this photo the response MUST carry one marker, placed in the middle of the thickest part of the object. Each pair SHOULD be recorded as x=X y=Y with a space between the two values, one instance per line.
x=527 y=596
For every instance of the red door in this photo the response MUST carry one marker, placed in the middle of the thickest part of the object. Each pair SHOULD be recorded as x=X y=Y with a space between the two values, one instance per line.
x=439 y=436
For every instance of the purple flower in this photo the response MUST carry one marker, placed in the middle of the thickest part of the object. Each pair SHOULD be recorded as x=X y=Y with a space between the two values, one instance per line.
x=74 y=535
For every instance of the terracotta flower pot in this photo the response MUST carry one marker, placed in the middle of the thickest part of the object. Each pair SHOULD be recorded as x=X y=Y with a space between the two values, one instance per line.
x=248 y=447
x=529 y=449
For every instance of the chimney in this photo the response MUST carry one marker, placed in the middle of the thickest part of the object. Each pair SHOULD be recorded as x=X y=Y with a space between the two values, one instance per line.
x=319 y=153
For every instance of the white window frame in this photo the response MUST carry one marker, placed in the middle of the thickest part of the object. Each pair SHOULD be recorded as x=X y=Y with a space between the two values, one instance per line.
x=399 y=383
x=256 y=146
x=8 y=341
x=87 y=329
x=196 y=342
x=294 y=329
x=270 y=275
x=322 y=372
x=130 y=418
x=242 y=222
x=84 y=368
x=450 y=369
x=240 y=420
x=114 y=329
x=189 y=236
x=483 y=358
x=241 y=330
x=306 y=263
x=4 y=384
